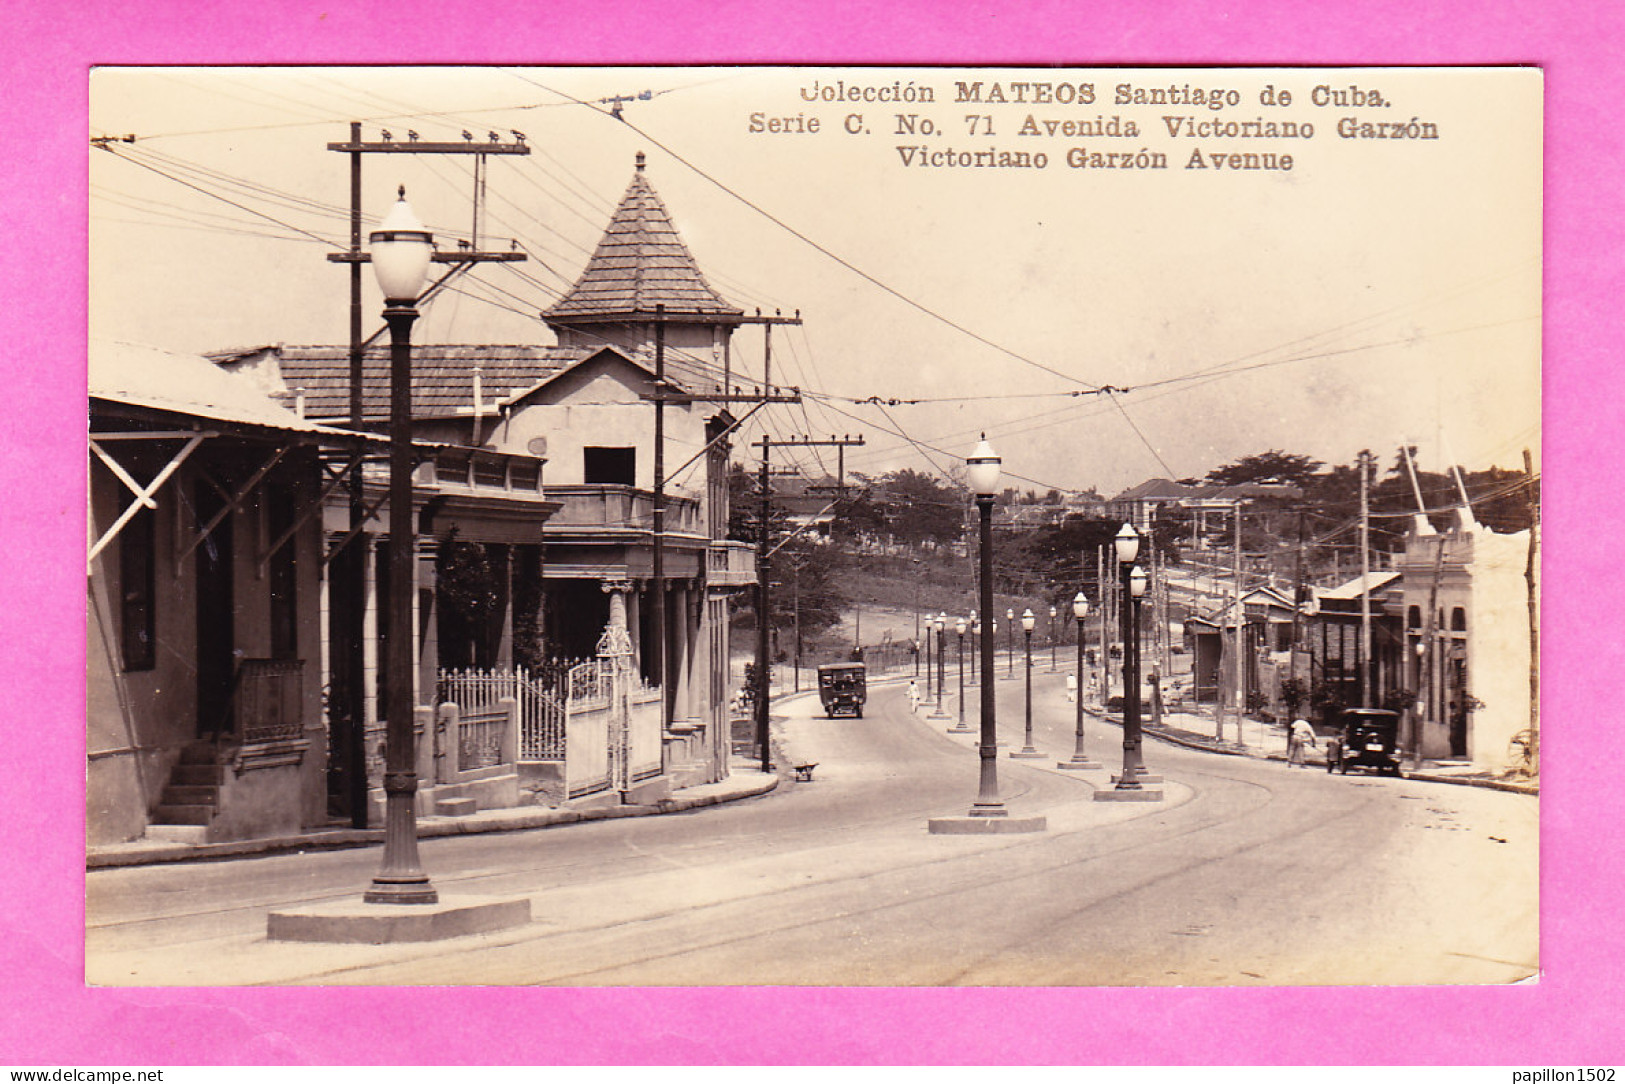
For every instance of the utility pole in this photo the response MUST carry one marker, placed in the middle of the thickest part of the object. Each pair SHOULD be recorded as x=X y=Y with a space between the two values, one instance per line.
x=662 y=394
x=1103 y=586
x=767 y=323
x=662 y=655
x=763 y=575
x=796 y=567
x=1241 y=635
x=349 y=600
x=764 y=558
x=1365 y=579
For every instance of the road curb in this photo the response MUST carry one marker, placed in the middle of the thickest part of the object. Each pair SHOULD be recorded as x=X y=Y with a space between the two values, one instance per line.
x=1207 y=746
x=739 y=787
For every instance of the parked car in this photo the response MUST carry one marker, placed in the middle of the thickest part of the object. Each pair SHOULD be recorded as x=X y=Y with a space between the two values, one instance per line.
x=1366 y=738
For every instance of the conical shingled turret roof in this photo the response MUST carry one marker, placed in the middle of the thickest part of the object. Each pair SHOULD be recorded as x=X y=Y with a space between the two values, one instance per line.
x=641 y=262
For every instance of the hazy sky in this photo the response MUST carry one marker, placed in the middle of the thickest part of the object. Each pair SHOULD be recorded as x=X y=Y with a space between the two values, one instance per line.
x=1382 y=290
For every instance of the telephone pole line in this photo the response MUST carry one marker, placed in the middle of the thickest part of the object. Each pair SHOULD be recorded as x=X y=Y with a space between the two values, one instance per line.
x=764 y=561
x=1365 y=579
x=347 y=618
x=767 y=323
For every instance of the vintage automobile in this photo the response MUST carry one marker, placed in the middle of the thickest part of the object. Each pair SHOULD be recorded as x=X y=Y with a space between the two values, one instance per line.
x=842 y=687
x=1367 y=738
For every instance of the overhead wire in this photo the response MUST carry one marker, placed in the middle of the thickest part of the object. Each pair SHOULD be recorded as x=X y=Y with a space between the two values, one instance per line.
x=842 y=261
x=1195 y=378
x=117 y=153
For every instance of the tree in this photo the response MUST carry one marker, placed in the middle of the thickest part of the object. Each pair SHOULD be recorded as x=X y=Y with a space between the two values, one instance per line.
x=859 y=513
x=1063 y=555
x=1266 y=468
x=471 y=592
x=802 y=567
x=922 y=509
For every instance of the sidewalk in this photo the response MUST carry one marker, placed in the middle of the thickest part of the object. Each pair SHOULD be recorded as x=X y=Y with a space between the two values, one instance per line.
x=1267 y=741
x=745 y=780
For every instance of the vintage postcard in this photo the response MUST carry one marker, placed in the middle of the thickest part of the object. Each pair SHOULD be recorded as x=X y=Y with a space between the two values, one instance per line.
x=814 y=526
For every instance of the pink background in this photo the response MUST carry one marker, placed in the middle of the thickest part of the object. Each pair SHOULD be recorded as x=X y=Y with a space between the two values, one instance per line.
x=48 y=1017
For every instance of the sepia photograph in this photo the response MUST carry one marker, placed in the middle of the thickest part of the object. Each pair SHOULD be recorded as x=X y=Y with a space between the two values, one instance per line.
x=771 y=526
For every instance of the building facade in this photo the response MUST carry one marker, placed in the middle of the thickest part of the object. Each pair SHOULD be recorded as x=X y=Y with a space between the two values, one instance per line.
x=640 y=322
x=204 y=683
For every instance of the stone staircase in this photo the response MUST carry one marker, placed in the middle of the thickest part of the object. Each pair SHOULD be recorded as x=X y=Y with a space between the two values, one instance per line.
x=192 y=797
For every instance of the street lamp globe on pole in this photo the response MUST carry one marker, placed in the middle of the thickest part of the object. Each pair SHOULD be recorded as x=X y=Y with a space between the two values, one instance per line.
x=975 y=638
x=960 y=727
x=1027 y=751
x=987 y=814
x=927 y=648
x=1053 y=613
x=402 y=250
x=1080 y=760
x=1010 y=643
x=940 y=623
x=1131 y=784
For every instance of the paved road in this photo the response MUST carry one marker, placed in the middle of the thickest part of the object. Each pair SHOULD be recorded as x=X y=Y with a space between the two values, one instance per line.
x=1248 y=873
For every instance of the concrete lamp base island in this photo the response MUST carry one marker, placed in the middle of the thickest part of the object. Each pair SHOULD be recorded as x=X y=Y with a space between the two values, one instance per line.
x=984 y=826
x=1084 y=765
x=354 y=922
x=1140 y=794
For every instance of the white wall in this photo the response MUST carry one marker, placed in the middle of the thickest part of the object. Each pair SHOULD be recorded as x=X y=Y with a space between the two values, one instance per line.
x=1498 y=644
x=604 y=411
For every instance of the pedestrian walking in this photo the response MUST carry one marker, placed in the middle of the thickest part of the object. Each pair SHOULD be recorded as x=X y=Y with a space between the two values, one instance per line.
x=1300 y=733
x=1071 y=688
x=913 y=697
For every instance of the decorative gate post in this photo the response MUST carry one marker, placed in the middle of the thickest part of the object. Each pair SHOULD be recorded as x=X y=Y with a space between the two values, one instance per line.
x=615 y=670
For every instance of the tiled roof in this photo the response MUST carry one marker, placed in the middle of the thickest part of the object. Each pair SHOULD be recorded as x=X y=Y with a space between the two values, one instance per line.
x=442 y=376
x=640 y=262
x=1156 y=487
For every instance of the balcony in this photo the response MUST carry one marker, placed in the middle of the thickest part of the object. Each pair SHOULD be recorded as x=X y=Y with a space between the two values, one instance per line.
x=610 y=507
x=730 y=564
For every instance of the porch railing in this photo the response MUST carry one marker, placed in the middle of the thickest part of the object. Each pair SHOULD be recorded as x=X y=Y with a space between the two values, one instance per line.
x=472 y=745
x=538 y=696
x=269 y=699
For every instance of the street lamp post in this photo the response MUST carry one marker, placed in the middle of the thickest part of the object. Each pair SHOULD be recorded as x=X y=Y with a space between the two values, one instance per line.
x=401 y=252
x=1027 y=750
x=941 y=624
x=925 y=648
x=1080 y=760
x=1010 y=643
x=916 y=627
x=1052 y=615
x=984 y=479
x=960 y=727
x=1131 y=783
x=975 y=638
x=987 y=813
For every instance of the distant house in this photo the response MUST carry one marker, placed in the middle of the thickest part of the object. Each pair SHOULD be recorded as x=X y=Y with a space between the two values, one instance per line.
x=1335 y=640
x=1267 y=618
x=1208 y=506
